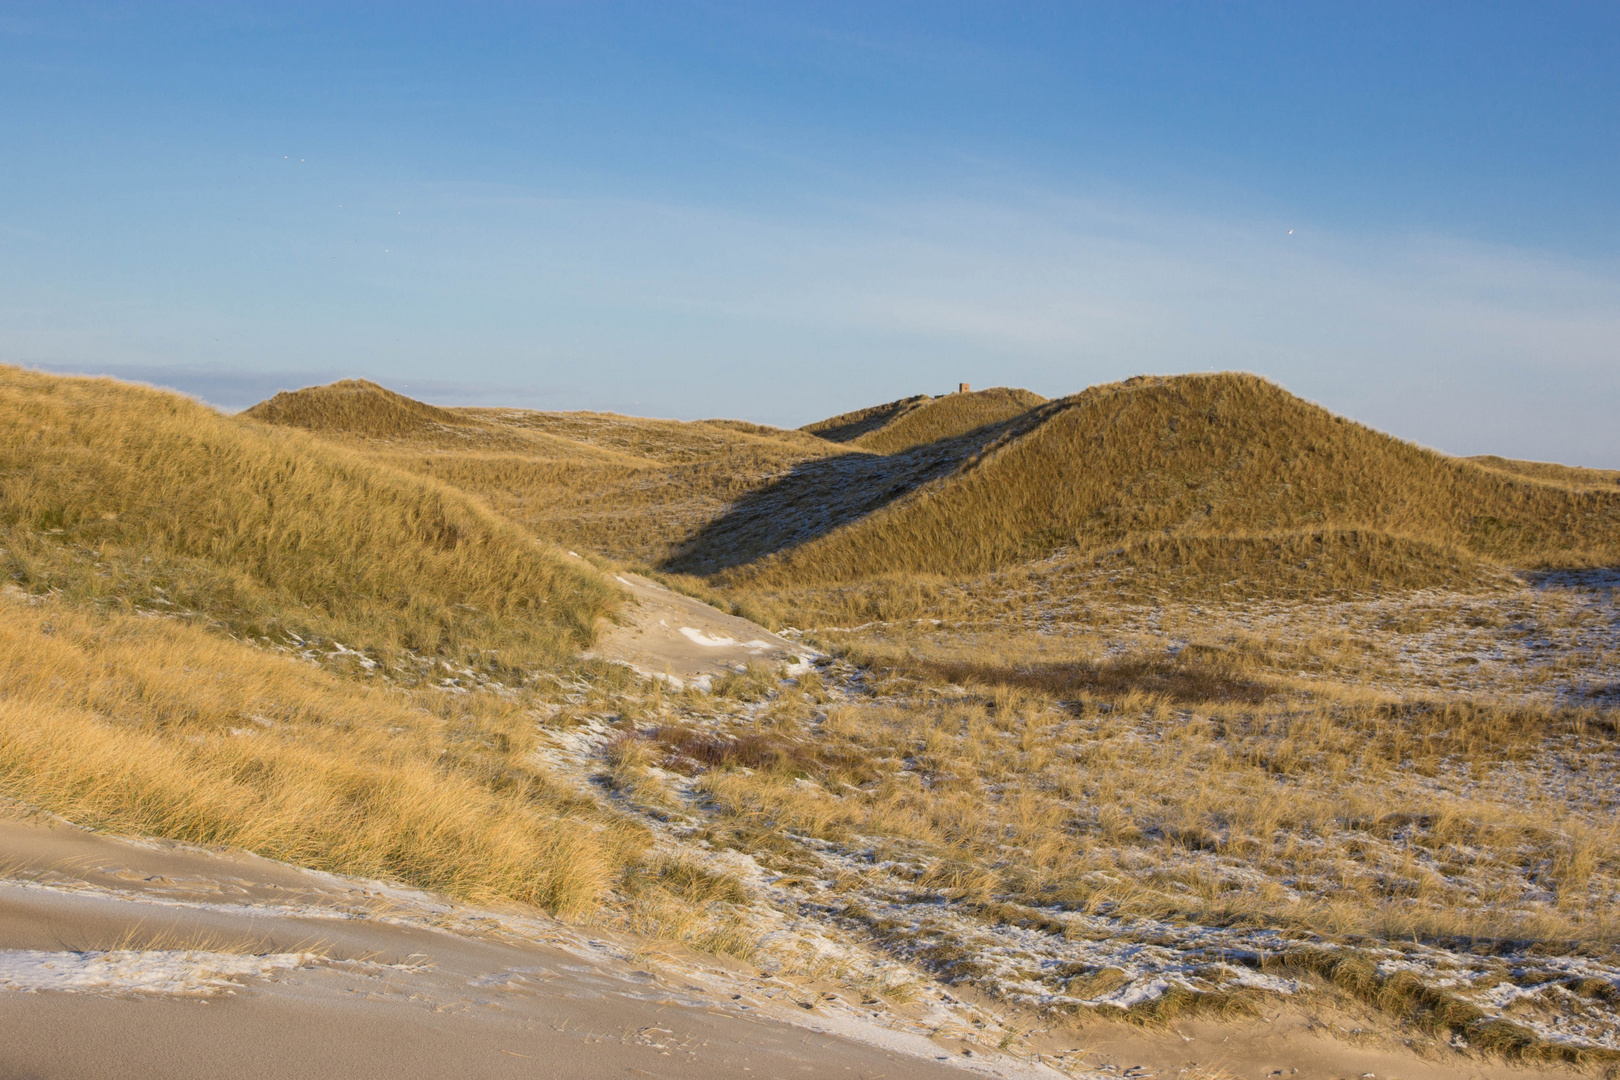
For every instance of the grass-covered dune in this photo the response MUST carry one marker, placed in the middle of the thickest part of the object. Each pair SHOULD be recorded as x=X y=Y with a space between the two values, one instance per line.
x=947 y=417
x=1225 y=485
x=847 y=427
x=137 y=498
x=627 y=487
x=1200 y=455
x=916 y=421
x=119 y=502
x=357 y=406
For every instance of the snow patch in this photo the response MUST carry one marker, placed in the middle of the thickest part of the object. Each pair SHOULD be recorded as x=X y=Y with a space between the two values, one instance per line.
x=1133 y=994
x=698 y=637
x=188 y=971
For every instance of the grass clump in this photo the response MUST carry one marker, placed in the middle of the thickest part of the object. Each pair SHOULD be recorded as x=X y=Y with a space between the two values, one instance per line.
x=352 y=406
x=1403 y=995
x=755 y=682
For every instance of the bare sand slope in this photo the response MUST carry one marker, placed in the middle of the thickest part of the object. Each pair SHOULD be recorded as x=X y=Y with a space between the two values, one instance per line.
x=149 y=959
x=685 y=640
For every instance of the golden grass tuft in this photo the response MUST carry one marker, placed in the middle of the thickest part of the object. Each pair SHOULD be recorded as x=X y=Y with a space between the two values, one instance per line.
x=1434 y=1009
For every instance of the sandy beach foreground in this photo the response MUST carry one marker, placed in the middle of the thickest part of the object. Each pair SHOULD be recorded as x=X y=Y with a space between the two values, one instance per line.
x=148 y=959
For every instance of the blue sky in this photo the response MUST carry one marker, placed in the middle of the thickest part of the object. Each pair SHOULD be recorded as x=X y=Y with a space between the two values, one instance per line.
x=779 y=212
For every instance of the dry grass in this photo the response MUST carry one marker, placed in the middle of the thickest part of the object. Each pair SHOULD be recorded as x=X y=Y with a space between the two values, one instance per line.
x=1431 y=1008
x=936 y=419
x=134 y=498
x=1097 y=807
x=1549 y=641
x=989 y=794
x=355 y=406
x=1216 y=455
x=961 y=827
x=151 y=727
x=1308 y=564
x=669 y=442
x=640 y=511
x=847 y=427
x=1300 y=566
x=1168 y=659
x=1544 y=470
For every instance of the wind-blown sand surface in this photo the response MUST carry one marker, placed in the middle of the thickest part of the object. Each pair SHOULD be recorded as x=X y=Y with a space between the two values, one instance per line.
x=150 y=959
x=674 y=637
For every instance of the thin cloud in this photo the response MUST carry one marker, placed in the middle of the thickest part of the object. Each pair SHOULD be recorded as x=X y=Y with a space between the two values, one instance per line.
x=571 y=302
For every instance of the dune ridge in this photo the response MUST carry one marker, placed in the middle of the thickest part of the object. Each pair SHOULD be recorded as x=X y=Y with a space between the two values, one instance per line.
x=915 y=421
x=1199 y=454
x=948 y=417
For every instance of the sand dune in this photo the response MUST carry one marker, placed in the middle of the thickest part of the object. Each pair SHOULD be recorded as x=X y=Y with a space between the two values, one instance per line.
x=1203 y=455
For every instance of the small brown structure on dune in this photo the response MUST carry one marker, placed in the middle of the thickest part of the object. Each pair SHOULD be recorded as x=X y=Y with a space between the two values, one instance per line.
x=961 y=388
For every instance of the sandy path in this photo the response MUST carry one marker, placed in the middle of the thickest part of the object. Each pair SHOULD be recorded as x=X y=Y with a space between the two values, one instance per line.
x=686 y=640
x=148 y=959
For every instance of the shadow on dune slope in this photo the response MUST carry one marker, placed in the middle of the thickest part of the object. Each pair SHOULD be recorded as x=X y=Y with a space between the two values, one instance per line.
x=823 y=494
x=847 y=427
x=1202 y=456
